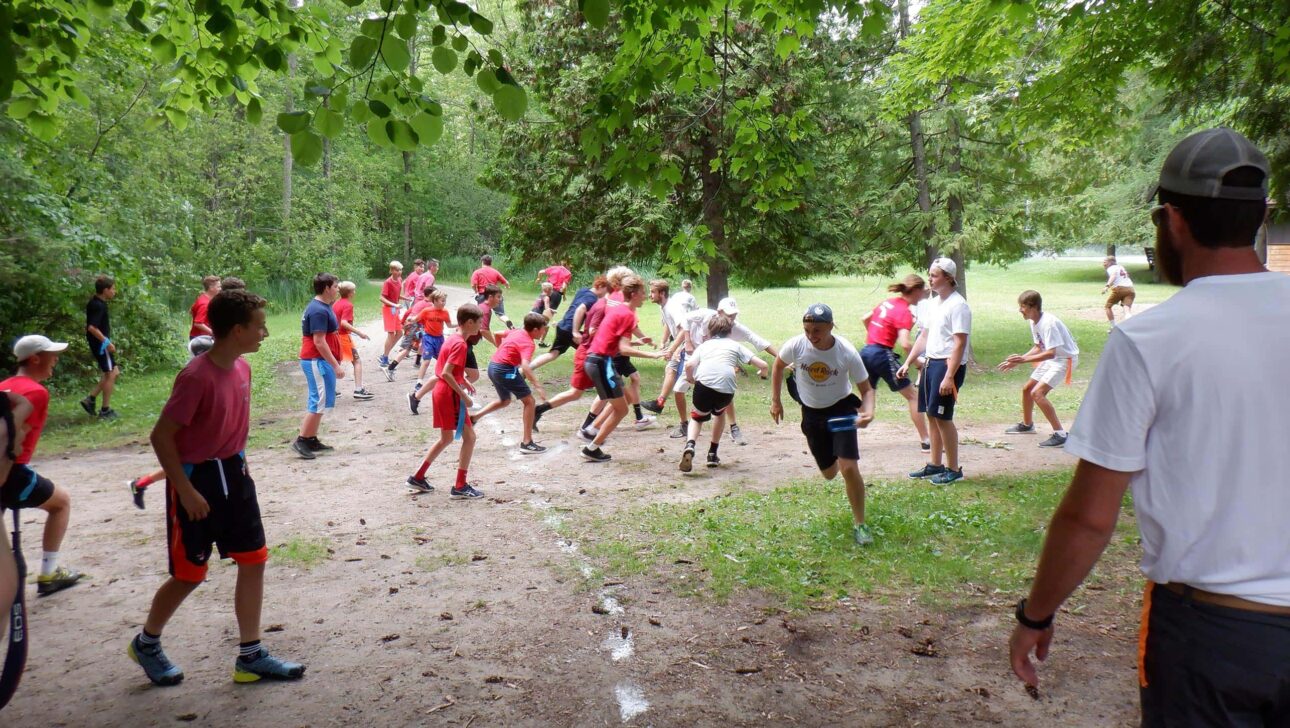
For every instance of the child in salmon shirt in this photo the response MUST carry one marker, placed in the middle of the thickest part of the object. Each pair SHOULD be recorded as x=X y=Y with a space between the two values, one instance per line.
x=508 y=369
x=432 y=321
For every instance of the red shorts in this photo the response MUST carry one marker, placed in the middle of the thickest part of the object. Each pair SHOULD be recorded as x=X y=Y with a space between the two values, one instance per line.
x=579 y=378
x=390 y=317
x=447 y=406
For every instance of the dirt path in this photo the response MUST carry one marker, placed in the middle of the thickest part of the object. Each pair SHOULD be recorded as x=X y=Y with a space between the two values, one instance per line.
x=435 y=612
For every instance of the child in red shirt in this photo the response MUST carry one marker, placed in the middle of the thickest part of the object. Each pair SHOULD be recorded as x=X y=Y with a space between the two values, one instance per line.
x=432 y=321
x=509 y=368
x=451 y=400
x=200 y=440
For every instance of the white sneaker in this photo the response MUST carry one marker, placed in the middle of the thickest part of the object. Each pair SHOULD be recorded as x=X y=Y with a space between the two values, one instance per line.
x=645 y=422
x=737 y=435
x=588 y=433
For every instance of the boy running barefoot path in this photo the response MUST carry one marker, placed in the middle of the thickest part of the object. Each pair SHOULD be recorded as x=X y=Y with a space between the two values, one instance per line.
x=23 y=488
x=1055 y=356
x=508 y=369
x=98 y=332
x=451 y=402
x=944 y=339
x=200 y=440
x=712 y=370
x=827 y=367
x=319 y=345
x=344 y=309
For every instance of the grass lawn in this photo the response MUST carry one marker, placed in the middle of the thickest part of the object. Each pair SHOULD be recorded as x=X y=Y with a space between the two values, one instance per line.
x=795 y=541
x=140 y=397
x=1071 y=290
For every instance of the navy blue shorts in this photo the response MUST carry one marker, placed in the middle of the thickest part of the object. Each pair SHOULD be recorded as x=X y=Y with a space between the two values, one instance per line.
x=24 y=488
x=881 y=363
x=508 y=380
x=430 y=346
x=930 y=399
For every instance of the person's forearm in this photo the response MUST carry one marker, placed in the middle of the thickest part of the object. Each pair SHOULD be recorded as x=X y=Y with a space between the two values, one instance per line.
x=902 y=340
x=447 y=378
x=1072 y=547
x=320 y=343
x=163 y=444
x=628 y=350
x=94 y=331
x=868 y=398
x=348 y=328
x=1038 y=356
x=204 y=329
x=919 y=345
x=776 y=379
x=956 y=357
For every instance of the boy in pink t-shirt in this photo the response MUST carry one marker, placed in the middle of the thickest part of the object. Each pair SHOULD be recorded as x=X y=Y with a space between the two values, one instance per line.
x=508 y=369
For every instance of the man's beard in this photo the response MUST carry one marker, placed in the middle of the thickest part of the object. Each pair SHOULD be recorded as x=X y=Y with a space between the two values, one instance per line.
x=1167 y=258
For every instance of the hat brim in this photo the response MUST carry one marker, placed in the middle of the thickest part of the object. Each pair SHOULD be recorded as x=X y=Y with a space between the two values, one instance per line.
x=56 y=347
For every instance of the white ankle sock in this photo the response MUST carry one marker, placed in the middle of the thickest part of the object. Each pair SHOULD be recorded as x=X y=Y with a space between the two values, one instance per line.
x=48 y=562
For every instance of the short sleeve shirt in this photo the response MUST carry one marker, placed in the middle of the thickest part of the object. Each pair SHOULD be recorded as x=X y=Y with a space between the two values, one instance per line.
x=486 y=276
x=595 y=316
x=454 y=353
x=697 y=324
x=411 y=286
x=35 y=393
x=213 y=407
x=198 y=312
x=619 y=321
x=1050 y=333
x=390 y=289
x=559 y=276
x=716 y=361
x=949 y=316
x=1118 y=277
x=584 y=297
x=517 y=347
x=318 y=318
x=675 y=312
x=433 y=320
x=887 y=320
x=344 y=309
x=96 y=315
x=824 y=378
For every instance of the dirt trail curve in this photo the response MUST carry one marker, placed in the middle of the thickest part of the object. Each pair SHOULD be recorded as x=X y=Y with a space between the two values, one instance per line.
x=438 y=612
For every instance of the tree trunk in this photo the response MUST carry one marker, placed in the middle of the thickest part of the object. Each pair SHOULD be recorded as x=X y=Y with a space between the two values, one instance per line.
x=407 y=205
x=916 y=142
x=286 y=148
x=714 y=217
x=954 y=204
x=1110 y=249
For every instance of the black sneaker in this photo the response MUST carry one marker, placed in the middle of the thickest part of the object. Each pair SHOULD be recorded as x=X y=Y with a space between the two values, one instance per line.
x=928 y=471
x=108 y=413
x=1020 y=428
x=313 y=443
x=687 y=458
x=466 y=492
x=302 y=449
x=531 y=448
x=925 y=446
x=363 y=394
x=652 y=406
x=136 y=493
x=1055 y=441
x=595 y=456
x=713 y=460
x=413 y=403
x=420 y=485
x=90 y=406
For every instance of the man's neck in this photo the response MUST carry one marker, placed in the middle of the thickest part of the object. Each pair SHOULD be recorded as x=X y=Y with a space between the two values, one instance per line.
x=223 y=354
x=1205 y=262
x=32 y=374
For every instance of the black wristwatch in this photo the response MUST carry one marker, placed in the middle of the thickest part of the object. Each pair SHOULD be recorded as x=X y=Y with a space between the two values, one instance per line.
x=1024 y=621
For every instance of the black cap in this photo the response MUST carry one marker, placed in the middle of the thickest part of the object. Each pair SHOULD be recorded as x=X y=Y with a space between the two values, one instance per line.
x=818 y=313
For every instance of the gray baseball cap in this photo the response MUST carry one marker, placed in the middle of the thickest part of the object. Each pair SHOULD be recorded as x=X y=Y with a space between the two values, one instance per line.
x=1196 y=166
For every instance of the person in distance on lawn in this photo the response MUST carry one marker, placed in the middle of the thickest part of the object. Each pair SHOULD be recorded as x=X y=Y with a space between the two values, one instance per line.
x=451 y=404
x=827 y=367
x=887 y=326
x=1054 y=356
x=507 y=371
x=484 y=276
x=1121 y=287
x=200 y=439
x=675 y=310
x=558 y=276
x=344 y=308
x=711 y=369
x=319 y=345
x=210 y=286
x=391 y=294
x=567 y=334
x=98 y=333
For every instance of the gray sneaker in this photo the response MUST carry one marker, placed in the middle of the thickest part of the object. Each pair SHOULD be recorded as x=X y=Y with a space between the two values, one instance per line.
x=266 y=665
x=1055 y=441
x=1020 y=428
x=928 y=471
x=159 y=669
x=680 y=433
x=737 y=435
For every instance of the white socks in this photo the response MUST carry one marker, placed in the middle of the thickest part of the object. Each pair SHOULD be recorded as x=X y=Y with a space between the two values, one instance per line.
x=48 y=562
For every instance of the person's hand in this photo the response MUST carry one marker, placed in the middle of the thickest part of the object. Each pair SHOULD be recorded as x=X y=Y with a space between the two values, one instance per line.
x=470 y=403
x=776 y=411
x=340 y=372
x=658 y=355
x=947 y=386
x=577 y=339
x=1010 y=363
x=763 y=375
x=193 y=502
x=364 y=336
x=470 y=388
x=863 y=419
x=1024 y=641
x=111 y=348
x=902 y=372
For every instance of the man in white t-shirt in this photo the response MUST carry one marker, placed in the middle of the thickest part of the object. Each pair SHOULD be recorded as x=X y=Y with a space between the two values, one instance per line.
x=943 y=339
x=1121 y=288
x=1205 y=458
x=827 y=367
x=1054 y=355
x=674 y=310
x=712 y=368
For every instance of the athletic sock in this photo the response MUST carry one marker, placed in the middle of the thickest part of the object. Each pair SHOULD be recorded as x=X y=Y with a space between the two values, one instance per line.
x=591 y=417
x=639 y=416
x=542 y=409
x=248 y=651
x=48 y=562
x=393 y=365
x=1060 y=432
x=712 y=448
x=143 y=482
x=421 y=471
x=461 y=479
x=689 y=444
x=149 y=640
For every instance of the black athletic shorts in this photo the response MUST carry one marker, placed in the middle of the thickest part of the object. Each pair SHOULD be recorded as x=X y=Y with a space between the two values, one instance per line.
x=624 y=366
x=556 y=298
x=233 y=524
x=603 y=374
x=706 y=402
x=930 y=399
x=563 y=340
x=471 y=362
x=24 y=488
x=880 y=361
x=826 y=446
x=105 y=361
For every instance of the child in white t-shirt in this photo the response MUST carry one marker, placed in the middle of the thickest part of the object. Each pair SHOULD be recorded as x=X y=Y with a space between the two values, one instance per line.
x=1054 y=355
x=711 y=369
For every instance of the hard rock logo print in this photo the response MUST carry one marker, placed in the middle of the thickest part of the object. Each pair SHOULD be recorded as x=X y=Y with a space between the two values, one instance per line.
x=820 y=372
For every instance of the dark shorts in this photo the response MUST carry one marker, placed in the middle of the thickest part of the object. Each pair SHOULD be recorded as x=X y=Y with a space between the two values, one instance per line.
x=233 y=524
x=1207 y=665
x=556 y=298
x=430 y=346
x=471 y=361
x=500 y=308
x=106 y=361
x=930 y=399
x=25 y=489
x=624 y=366
x=881 y=363
x=825 y=445
x=563 y=340
x=508 y=380
x=706 y=402
x=604 y=376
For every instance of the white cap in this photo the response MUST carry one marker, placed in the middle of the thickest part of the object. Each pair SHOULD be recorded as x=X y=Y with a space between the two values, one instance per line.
x=29 y=346
x=728 y=306
x=946 y=266
x=396 y=264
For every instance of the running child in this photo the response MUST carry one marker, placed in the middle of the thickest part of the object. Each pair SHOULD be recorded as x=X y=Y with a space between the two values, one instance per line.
x=98 y=333
x=24 y=488
x=584 y=315
x=508 y=369
x=711 y=369
x=210 y=286
x=675 y=311
x=486 y=275
x=451 y=402
x=1054 y=356
x=559 y=277
x=200 y=439
x=391 y=294
x=1121 y=287
x=887 y=326
x=432 y=320
x=411 y=341
x=542 y=306
x=827 y=366
x=319 y=345
x=344 y=308
x=566 y=332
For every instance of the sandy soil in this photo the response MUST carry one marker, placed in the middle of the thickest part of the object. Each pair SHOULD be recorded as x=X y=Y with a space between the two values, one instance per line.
x=437 y=612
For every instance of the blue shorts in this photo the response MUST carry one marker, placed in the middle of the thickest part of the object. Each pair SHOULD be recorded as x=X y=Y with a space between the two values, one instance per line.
x=318 y=371
x=508 y=380
x=430 y=346
x=881 y=364
x=930 y=399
